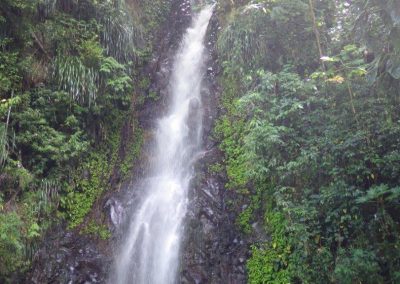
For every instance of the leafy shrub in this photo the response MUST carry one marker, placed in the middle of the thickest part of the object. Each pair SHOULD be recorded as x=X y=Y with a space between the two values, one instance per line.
x=83 y=192
x=321 y=137
x=97 y=230
x=11 y=243
x=357 y=265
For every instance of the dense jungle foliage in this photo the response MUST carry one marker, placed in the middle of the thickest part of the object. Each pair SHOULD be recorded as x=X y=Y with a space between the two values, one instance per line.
x=310 y=127
x=311 y=136
x=69 y=80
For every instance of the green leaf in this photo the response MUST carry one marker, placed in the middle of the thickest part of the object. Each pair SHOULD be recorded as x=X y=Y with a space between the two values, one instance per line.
x=393 y=66
x=34 y=231
x=377 y=192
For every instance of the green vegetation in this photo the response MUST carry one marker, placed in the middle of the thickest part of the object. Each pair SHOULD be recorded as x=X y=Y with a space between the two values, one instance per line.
x=67 y=78
x=97 y=230
x=310 y=127
x=311 y=136
x=216 y=168
x=82 y=192
x=134 y=147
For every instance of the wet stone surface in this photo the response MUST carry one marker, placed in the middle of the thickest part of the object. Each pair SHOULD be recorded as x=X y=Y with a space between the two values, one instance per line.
x=214 y=250
x=66 y=258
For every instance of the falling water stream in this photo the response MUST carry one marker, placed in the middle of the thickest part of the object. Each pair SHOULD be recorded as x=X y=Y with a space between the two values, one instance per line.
x=150 y=253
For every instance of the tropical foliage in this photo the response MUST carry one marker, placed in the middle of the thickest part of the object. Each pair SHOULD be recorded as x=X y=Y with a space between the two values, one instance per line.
x=309 y=127
x=311 y=136
x=67 y=77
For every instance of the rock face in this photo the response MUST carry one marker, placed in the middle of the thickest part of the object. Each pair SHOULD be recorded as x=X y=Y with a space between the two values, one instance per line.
x=159 y=69
x=69 y=258
x=214 y=250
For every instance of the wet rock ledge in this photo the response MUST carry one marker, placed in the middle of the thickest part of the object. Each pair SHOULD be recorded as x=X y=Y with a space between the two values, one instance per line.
x=214 y=250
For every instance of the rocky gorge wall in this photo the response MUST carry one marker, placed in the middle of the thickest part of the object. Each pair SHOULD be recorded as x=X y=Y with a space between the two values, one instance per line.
x=214 y=250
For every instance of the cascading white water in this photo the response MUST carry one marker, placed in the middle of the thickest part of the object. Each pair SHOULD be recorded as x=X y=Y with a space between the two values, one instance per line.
x=150 y=253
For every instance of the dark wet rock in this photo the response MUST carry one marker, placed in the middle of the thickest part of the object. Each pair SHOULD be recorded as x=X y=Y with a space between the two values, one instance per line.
x=214 y=250
x=69 y=258
x=159 y=69
x=116 y=211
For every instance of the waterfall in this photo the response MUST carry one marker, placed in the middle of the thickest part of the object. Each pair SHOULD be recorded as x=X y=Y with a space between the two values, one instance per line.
x=150 y=253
